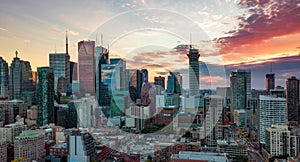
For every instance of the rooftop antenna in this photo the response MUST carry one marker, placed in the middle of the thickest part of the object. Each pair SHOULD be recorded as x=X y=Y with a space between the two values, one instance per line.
x=271 y=68
x=190 y=40
x=102 y=40
x=67 y=50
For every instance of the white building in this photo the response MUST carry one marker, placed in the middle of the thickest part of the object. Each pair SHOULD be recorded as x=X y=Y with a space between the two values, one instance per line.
x=277 y=140
x=271 y=110
x=10 y=131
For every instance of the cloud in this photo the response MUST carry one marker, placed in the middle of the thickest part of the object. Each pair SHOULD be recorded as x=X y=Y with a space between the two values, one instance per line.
x=268 y=19
x=3 y=29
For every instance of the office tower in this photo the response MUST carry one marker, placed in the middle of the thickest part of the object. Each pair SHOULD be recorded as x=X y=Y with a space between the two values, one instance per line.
x=270 y=82
x=194 y=71
x=292 y=100
x=20 y=78
x=30 y=145
x=60 y=63
x=213 y=107
x=271 y=110
x=62 y=85
x=240 y=87
x=73 y=71
x=86 y=65
x=119 y=72
x=85 y=108
x=45 y=96
x=160 y=81
x=102 y=57
x=172 y=83
x=3 y=79
x=145 y=75
x=135 y=84
x=277 y=140
x=81 y=147
x=34 y=79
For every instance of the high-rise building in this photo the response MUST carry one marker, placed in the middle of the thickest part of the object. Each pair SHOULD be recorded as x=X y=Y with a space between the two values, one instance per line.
x=3 y=79
x=240 y=87
x=277 y=140
x=213 y=107
x=271 y=110
x=20 y=78
x=160 y=81
x=292 y=100
x=10 y=131
x=73 y=71
x=30 y=145
x=135 y=85
x=11 y=109
x=45 y=96
x=60 y=63
x=81 y=147
x=174 y=83
x=102 y=57
x=86 y=65
x=270 y=82
x=278 y=91
x=3 y=150
x=145 y=75
x=194 y=71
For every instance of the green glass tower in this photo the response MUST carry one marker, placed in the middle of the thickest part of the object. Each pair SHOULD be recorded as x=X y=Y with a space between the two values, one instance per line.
x=45 y=96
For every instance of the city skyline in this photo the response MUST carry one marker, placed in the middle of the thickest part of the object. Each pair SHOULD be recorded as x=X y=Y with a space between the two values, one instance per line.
x=239 y=38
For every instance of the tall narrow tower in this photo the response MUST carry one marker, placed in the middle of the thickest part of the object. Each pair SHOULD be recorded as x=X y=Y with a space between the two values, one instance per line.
x=193 y=71
x=67 y=43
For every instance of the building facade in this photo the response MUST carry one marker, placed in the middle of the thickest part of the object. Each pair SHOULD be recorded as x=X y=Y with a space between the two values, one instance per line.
x=3 y=79
x=86 y=65
x=45 y=96
x=292 y=100
x=193 y=56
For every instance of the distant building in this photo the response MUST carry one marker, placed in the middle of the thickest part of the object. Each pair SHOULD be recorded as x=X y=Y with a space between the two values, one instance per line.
x=45 y=96
x=20 y=78
x=232 y=149
x=213 y=107
x=73 y=71
x=194 y=81
x=187 y=156
x=270 y=82
x=240 y=85
x=30 y=145
x=292 y=100
x=160 y=81
x=3 y=79
x=278 y=91
x=102 y=57
x=10 y=131
x=11 y=109
x=271 y=110
x=3 y=150
x=86 y=65
x=81 y=147
x=277 y=140
x=60 y=63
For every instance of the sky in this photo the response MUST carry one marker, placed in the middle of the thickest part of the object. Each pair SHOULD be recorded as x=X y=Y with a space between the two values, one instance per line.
x=230 y=34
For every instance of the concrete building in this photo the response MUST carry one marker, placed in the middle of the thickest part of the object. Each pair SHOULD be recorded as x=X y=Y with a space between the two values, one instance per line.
x=271 y=110
x=292 y=100
x=3 y=150
x=277 y=139
x=10 y=131
x=188 y=156
x=232 y=149
x=30 y=145
x=12 y=108
x=81 y=147
x=213 y=110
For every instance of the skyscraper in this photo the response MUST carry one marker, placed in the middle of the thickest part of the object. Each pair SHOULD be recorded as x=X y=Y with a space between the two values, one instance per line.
x=86 y=62
x=45 y=96
x=292 y=99
x=278 y=140
x=20 y=78
x=194 y=71
x=160 y=81
x=73 y=71
x=3 y=79
x=270 y=82
x=102 y=57
x=271 y=111
x=240 y=87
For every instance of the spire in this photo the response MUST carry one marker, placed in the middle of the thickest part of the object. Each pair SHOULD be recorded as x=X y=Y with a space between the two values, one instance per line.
x=190 y=40
x=67 y=50
x=16 y=54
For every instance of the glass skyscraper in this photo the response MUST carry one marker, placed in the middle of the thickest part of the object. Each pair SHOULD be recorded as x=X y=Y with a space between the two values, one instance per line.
x=3 y=78
x=60 y=63
x=194 y=71
x=45 y=96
